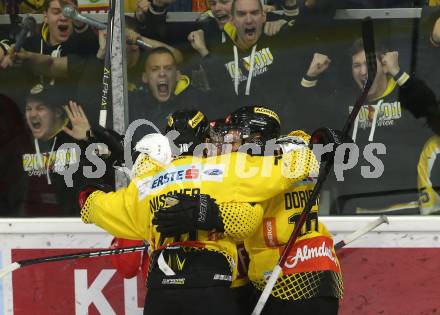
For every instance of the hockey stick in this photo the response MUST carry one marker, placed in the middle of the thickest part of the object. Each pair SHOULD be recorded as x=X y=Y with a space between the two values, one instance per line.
x=106 y=97
x=362 y=231
x=368 y=40
x=27 y=262
x=390 y=208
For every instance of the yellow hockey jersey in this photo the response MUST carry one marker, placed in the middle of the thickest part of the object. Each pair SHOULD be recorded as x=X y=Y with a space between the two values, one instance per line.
x=429 y=200
x=232 y=179
x=312 y=268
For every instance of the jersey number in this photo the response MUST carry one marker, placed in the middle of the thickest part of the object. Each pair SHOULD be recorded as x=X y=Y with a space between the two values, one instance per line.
x=310 y=225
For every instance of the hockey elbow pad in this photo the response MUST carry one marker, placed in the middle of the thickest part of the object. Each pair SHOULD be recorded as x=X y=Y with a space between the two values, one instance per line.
x=85 y=191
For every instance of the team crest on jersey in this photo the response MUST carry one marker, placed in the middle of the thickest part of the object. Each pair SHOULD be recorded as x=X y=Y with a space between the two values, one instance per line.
x=263 y=60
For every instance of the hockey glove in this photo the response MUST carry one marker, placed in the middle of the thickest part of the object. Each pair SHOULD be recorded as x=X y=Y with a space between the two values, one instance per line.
x=113 y=140
x=326 y=136
x=128 y=265
x=187 y=214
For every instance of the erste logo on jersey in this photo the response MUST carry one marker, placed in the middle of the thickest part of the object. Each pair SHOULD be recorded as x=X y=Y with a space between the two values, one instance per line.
x=312 y=254
x=180 y=174
x=262 y=60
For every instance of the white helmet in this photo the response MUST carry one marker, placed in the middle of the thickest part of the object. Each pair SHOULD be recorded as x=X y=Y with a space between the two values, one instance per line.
x=157 y=146
x=291 y=143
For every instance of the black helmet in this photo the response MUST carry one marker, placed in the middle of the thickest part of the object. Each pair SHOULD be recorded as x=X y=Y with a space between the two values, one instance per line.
x=217 y=130
x=192 y=126
x=255 y=119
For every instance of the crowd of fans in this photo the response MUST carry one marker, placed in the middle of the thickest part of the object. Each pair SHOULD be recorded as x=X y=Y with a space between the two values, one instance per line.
x=133 y=6
x=296 y=61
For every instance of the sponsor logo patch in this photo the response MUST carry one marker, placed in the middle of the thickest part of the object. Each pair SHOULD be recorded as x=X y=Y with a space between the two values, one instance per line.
x=143 y=187
x=192 y=173
x=270 y=232
x=177 y=281
x=180 y=174
x=222 y=277
x=213 y=172
x=193 y=122
x=175 y=175
x=267 y=112
x=313 y=254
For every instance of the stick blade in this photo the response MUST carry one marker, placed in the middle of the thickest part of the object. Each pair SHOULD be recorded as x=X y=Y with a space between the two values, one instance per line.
x=390 y=208
x=384 y=219
x=362 y=231
x=370 y=49
x=9 y=268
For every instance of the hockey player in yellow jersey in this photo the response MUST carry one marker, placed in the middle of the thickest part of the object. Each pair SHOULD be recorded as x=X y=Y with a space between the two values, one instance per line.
x=255 y=125
x=190 y=272
x=309 y=285
x=311 y=281
x=429 y=199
